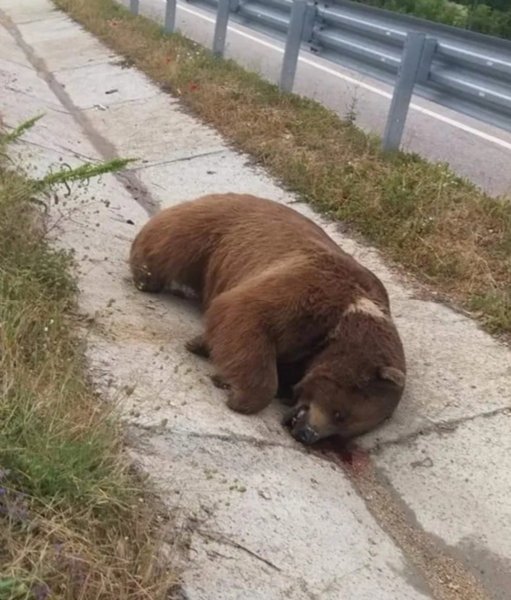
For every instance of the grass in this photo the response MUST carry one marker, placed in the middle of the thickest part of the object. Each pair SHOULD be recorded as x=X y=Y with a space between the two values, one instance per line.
x=442 y=229
x=73 y=520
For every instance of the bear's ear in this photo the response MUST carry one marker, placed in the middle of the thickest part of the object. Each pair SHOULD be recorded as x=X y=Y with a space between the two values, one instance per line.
x=392 y=375
x=385 y=381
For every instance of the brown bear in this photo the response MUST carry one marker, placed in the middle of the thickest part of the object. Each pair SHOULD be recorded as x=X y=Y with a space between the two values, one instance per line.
x=281 y=298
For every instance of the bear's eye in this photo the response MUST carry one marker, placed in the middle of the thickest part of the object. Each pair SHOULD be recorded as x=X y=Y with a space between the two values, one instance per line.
x=340 y=416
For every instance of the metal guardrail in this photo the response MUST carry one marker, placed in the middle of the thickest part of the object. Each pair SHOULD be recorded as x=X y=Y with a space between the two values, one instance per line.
x=459 y=69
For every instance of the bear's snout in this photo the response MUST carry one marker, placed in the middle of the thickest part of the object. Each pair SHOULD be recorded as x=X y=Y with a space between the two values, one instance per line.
x=301 y=430
x=295 y=417
x=307 y=435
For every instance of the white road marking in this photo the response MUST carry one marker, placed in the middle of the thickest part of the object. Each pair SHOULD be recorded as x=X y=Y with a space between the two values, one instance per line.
x=371 y=88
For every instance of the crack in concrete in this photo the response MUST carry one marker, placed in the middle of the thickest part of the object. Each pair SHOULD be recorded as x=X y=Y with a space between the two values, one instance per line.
x=92 y=63
x=256 y=442
x=33 y=96
x=175 y=160
x=219 y=538
x=246 y=439
x=120 y=102
x=103 y=146
x=59 y=148
x=45 y=18
x=442 y=428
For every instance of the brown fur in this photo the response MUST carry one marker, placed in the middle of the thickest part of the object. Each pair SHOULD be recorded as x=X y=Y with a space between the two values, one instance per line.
x=278 y=293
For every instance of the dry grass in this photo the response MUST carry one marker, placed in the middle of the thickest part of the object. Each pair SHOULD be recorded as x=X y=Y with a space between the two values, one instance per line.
x=441 y=228
x=73 y=520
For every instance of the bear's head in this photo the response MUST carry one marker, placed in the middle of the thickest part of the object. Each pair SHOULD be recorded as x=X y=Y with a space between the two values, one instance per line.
x=353 y=384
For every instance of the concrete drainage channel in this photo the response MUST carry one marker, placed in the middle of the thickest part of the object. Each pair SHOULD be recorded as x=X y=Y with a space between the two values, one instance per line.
x=420 y=510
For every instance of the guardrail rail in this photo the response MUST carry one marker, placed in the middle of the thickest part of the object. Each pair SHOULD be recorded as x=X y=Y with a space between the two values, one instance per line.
x=462 y=70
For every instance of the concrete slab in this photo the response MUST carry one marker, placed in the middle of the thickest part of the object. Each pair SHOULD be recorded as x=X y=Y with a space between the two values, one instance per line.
x=53 y=130
x=458 y=486
x=260 y=512
x=106 y=84
x=54 y=37
x=20 y=79
x=55 y=28
x=9 y=51
x=214 y=169
x=157 y=383
x=173 y=138
x=30 y=154
x=456 y=371
x=23 y=11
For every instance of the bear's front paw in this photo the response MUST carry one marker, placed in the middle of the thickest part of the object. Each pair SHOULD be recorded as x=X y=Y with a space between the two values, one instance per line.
x=197 y=345
x=219 y=382
x=247 y=402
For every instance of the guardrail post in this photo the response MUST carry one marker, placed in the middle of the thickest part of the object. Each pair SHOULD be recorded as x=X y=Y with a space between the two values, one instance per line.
x=293 y=42
x=134 y=6
x=407 y=76
x=428 y=52
x=222 y=18
x=170 y=16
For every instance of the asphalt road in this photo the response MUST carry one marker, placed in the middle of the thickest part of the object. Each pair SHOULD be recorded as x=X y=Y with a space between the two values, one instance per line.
x=473 y=149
